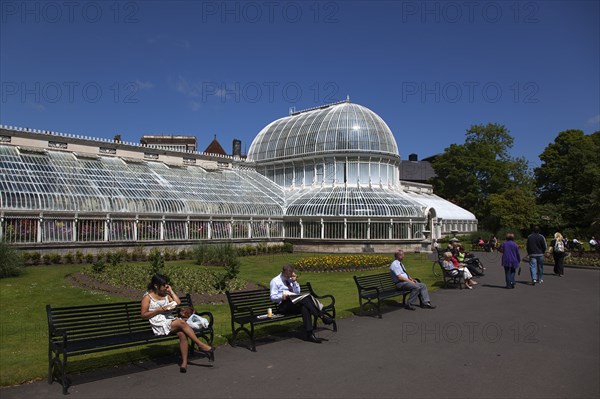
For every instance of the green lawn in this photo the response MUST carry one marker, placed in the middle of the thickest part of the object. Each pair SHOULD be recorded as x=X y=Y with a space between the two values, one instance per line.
x=24 y=329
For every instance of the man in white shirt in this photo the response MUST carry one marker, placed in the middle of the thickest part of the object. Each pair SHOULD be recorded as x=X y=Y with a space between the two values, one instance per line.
x=285 y=284
x=403 y=281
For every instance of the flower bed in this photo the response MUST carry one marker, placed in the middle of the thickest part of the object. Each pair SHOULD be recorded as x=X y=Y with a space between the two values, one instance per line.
x=578 y=259
x=342 y=263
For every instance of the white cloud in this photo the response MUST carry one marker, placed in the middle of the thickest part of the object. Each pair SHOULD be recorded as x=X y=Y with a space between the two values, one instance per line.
x=182 y=85
x=142 y=85
x=183 y=44
x=594 y=120
x=195 y=105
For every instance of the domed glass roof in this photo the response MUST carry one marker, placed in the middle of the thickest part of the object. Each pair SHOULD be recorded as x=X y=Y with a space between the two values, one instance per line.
x=336 y=128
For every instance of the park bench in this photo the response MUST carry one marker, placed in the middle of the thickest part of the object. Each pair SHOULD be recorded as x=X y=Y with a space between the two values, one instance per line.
x=375 y=287
x=450 y=277
x=250 y=308
x=80 y=330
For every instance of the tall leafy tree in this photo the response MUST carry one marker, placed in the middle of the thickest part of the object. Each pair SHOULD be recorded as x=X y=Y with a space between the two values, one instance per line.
x=568 y=181
x=468 y=174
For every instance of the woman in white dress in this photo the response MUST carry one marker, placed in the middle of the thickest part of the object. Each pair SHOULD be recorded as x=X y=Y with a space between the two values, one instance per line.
x=157 y=305
x=450 y=263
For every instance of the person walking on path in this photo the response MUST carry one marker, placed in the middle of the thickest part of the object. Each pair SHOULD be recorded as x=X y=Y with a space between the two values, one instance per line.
x=557 y=247
x=536 y=247
x=511 y=258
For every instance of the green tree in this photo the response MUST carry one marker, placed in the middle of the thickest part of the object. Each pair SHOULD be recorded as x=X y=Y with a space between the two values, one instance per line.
x=514 y=209
x=468 y=174
x=568 y=181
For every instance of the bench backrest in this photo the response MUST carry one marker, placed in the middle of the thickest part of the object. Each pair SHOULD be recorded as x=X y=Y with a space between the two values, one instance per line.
x=241 y=302
x=382 y=281
x=103 y=320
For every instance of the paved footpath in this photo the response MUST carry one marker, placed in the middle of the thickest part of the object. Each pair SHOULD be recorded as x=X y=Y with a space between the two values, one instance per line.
x=531 y=342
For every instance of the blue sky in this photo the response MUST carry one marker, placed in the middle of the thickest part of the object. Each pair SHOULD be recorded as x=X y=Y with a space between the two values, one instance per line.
x=203 y=68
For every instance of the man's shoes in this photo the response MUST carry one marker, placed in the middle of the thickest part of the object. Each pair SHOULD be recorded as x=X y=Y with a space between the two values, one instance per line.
x=408 y=306
x=310 y=337
x=327 y=320
x=428 y=305
x=533 y=282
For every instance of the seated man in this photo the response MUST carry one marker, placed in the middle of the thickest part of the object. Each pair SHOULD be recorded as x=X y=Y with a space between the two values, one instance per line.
x=403 y=281
x=283 y=286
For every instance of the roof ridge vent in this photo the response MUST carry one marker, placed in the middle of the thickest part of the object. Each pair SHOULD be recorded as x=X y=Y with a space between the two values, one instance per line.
x=294 y=112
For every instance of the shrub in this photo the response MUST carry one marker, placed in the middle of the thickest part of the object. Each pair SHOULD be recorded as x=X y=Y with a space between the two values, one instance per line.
x=89 y=258
x=36 y=258
x=124 y=255
x=78 y=256
x=246 y=250
x=99 y=266
x=157 y=261
x=11 y=261
x=262 y=248
x=46 y=259
x=26 y=257
x=288 y=247
x=170 y=254
x=114 y=258
x=56 y=258
x=138 y=254
x=214 y=255
x=232 y=269
x=69 y=257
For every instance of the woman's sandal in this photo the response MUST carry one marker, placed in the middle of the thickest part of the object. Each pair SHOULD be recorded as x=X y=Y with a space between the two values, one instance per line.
x=210 y=354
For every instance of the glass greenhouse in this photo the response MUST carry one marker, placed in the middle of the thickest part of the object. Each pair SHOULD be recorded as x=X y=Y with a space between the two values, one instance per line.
x=324 y=174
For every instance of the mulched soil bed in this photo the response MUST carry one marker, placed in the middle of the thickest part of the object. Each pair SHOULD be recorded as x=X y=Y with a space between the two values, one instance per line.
x=86 y=282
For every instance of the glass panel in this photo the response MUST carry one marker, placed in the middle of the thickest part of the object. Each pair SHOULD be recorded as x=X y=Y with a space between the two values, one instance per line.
x=90 y=230
x=20 y=230
x=175 y=230
x=57 y=230
x=149 y=230
x=122 y=230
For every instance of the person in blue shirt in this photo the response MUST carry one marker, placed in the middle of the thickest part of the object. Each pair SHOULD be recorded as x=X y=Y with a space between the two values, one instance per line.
x=283 y=287
x=403 y=281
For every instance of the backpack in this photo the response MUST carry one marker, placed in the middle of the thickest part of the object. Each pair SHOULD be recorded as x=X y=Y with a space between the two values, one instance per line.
x=559 y=246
